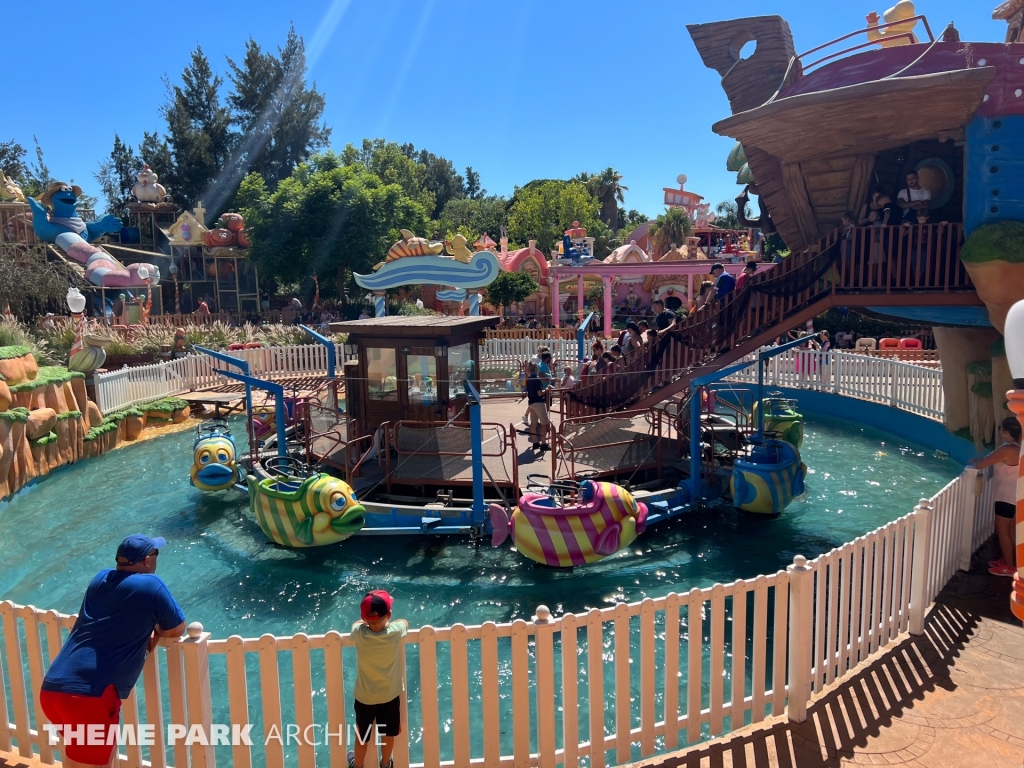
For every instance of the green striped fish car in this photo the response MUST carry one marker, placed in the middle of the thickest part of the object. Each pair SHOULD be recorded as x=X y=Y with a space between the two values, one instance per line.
x=305 y=511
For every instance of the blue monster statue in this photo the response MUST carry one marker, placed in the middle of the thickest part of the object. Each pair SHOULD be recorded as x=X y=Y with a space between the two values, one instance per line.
x=63 y=198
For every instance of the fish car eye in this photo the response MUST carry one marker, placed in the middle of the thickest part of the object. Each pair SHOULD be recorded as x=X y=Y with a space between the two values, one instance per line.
x=338 y=501
x=223 y=456
x=204 y=457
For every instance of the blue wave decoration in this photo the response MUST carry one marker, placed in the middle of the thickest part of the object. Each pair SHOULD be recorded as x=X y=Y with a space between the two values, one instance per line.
x=459 y=295
x=433 y=270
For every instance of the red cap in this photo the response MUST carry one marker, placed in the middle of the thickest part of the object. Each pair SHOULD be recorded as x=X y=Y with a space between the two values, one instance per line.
x=376 y=605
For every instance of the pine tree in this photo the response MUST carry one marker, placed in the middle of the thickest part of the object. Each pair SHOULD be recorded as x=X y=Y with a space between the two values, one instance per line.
x=116 y=177
x=279 y=116
x=473 y=190
x=36 y=176
x=199 y=133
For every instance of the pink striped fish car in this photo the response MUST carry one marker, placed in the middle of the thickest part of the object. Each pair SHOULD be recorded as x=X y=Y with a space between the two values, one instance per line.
x=605 y=520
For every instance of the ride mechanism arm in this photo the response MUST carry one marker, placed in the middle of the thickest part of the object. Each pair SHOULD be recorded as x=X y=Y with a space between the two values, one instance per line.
x=477 y=446
x=764 y=357
x=250 y=381
x=328 y=345
x=694 y=484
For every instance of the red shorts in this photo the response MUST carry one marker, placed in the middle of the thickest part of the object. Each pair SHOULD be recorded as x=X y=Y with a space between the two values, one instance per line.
x=69 y=710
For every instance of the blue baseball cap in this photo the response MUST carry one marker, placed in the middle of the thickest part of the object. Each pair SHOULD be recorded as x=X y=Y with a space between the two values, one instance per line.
x=135 y=548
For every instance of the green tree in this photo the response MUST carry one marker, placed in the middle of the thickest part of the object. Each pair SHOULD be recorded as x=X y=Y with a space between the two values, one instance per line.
x=36 y=176
x=726 y=215
x=473 y=189
x=605 y=240
x=199 y=136
x=630 y=220
x=390 y=163
x=278 y=115
x=607 y=188
x=12 y=160
x=116 y=177
x=326 y=218
x=440 y=178
x=510 y=287
x=544 y=209
x=670 y=228
x=473 y=217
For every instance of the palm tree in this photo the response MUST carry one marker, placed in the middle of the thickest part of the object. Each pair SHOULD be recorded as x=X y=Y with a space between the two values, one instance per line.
x=606 y=187
x=670 y=228
x=727 y=218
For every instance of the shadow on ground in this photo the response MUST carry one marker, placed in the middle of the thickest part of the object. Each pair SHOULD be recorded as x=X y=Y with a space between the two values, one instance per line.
x=952 y=697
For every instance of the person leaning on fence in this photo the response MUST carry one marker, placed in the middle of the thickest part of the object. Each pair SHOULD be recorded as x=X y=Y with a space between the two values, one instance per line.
x=124 y=613
x=380 y=677
x=1003 y=461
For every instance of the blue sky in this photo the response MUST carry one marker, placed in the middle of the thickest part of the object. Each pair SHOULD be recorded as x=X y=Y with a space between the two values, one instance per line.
x=519 y=90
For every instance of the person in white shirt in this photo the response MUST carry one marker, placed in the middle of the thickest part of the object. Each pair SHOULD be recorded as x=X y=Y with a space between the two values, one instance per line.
x=914 y=199
x=568 y=380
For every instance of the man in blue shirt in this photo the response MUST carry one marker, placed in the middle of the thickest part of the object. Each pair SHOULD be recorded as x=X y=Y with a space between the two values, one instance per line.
x=724 y=282
x=124 y=613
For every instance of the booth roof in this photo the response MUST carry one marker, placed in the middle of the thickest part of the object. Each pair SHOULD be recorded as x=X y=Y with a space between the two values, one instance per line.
x=409 y=325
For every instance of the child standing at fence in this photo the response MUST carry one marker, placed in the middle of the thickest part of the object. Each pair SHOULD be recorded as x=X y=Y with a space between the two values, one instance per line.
x=380 y=677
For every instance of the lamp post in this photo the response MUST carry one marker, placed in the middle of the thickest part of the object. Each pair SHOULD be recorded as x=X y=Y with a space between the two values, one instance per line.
x=1013 y=332
x=76 y=303
x=173 y=269
x=147 y=305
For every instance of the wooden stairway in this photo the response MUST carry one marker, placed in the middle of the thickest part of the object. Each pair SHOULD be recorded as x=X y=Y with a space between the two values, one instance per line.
x=890 y=266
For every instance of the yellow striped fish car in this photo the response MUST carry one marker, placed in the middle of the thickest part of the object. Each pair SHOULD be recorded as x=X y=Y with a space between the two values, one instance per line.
x=305 y=512
x=769 y=479
x=606 y=520
x=782 y=420
x=410 y=245
x=214 y=467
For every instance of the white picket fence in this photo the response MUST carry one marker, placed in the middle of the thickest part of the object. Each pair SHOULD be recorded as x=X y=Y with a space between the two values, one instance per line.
x=605 y=686
x=130 y=386
x=566 y=350
x=910 y=387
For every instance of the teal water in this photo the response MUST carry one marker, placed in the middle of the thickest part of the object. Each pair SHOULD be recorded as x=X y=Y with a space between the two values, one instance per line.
x=55 y=535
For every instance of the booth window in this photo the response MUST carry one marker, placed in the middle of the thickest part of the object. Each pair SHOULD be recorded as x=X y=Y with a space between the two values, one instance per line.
x=460 y=368
x=382 y=374
x=422 y=379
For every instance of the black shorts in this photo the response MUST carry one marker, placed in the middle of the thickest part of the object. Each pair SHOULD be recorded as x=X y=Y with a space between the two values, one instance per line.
x=388 y=717
x=1005 y=509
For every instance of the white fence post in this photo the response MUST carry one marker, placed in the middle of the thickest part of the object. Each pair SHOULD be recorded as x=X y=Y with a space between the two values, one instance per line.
x=197 y=691
x=919 y=597
x=801 y=636
x=967 y=509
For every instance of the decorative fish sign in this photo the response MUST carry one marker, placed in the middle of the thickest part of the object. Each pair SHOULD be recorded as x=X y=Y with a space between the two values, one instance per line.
x=410 y=245
x=481 y=270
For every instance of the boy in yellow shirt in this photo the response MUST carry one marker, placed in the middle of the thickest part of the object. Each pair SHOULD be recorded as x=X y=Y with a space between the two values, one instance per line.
x=380 y=677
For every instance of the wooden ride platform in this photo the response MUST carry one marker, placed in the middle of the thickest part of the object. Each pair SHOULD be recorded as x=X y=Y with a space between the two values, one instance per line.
x=223 y=403
x=229 y=398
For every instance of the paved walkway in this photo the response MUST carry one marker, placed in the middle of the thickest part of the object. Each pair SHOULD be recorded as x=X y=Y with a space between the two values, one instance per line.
x=953 y=697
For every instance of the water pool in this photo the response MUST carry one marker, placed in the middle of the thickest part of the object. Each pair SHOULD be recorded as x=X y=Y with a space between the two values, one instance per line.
x=55 y=535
